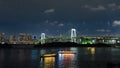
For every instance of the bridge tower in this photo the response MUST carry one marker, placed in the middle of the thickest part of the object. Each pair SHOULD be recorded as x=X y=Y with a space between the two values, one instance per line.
x=43 y=38
x=73 y=35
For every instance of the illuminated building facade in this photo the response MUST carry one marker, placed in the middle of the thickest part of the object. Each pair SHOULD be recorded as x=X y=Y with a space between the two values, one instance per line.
x=25 y=38
x=21 y=37
x=12 y=39
x=29 y=37
x=2 y=38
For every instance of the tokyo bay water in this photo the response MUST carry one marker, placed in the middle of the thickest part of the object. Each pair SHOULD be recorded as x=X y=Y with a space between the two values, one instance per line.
x=75 y=57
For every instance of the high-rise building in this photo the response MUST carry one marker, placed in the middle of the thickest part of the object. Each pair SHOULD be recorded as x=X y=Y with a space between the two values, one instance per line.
x=12 y=39
x=28 y=37
x=22 y=37
x=2 y=37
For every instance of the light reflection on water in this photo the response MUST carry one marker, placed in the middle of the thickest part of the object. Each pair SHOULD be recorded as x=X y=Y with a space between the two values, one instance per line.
x=49 y=62
x=74 y=57
x=68 y=60
x=92 y=52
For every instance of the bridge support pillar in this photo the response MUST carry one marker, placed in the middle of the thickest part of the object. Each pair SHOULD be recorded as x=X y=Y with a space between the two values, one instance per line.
x=73 y=35
x=43 y=38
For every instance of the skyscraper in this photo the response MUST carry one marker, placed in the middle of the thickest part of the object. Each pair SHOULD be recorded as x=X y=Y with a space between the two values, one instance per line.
x=12 y=39
x=21 y=37
x=28 y=37
x=2 y=38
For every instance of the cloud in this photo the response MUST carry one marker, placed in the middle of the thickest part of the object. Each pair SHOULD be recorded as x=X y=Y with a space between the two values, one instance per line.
x=86 y=6
x=113 y=6
x=61 y=24
x=103 y=30
x=54 y=23
x=110 y=6
x=116 y=23
x=98 y=8
x=49 y=11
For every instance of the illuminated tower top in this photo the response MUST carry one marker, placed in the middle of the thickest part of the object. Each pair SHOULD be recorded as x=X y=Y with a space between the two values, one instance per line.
x=73 y=35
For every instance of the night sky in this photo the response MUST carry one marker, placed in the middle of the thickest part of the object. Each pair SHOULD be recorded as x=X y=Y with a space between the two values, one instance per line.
x=54 y=17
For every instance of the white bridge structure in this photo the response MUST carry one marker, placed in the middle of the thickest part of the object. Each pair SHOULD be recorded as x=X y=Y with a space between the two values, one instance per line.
x=43 y=38
x=73 y=35
x=72 y=38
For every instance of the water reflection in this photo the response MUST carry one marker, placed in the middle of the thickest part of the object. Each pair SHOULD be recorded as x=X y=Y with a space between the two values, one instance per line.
x=62 y=59
x=89 y=57
x=66 y=59
x=74 y=57
x=92 y=52
x=48 y=61
x=91 y=49
x=34 y=54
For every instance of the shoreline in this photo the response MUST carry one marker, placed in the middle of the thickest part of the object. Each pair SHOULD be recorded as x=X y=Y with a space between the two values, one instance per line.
x=55 y=44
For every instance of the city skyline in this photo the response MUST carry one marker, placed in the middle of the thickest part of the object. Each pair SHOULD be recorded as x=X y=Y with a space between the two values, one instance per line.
x=95 y=17
x=23 y=38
